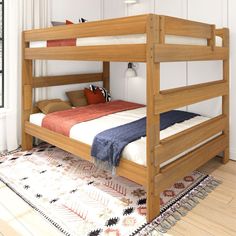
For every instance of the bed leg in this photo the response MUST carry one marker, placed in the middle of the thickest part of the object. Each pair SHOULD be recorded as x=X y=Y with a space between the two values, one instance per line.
x=225 y=158
x=153 y=205
x=27 y=142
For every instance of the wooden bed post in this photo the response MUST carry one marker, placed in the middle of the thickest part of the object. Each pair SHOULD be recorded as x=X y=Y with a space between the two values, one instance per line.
x=153 y=121
x=106 y=75
x=27 y=140
x=225 y=99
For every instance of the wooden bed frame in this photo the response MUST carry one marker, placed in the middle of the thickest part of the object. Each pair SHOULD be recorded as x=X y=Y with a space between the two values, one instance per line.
x=153 y=52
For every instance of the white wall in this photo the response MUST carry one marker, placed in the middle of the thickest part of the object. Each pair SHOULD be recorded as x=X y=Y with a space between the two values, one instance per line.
x=73 y=10
x=232 y=26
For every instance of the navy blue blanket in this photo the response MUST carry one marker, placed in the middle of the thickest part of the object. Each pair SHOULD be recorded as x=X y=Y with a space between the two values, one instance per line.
x=109 y=144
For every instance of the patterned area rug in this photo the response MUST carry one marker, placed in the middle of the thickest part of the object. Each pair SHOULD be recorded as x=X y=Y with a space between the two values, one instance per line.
x=80 y=199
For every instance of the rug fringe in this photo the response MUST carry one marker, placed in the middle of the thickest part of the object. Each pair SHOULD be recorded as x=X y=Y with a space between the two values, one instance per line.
x=169 y=218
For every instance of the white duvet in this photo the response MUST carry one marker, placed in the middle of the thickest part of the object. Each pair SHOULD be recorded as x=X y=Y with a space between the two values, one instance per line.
x=135 y=151
x=130 y=39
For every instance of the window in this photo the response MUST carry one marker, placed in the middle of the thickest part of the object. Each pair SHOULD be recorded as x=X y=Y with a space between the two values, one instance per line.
x=1 y=53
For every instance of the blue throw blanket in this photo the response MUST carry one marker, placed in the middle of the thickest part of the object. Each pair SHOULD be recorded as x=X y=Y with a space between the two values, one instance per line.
x=109 y=144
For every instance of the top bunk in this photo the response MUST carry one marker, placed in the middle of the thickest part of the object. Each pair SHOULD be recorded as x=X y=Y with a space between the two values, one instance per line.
x=131 y=38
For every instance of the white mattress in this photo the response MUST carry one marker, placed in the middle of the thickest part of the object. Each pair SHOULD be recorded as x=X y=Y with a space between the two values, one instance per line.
x=135 y=151
x=129 y=39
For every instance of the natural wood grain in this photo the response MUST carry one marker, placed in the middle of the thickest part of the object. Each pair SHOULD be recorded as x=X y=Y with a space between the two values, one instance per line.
x=176 y=144
x=26 y=139
x=190 y=162
x=177 y=52
x=47 y=81
x=153 y=120
x=153 y=52
x=111 y=27
x=179 y=97
x=182 y=27
x=106 y=75
x=125 y=52
x=126 y=168
x=225 y=99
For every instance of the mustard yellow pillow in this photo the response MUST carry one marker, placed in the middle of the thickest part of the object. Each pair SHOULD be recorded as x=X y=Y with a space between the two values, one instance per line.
x=77 y=98
x=53 y=105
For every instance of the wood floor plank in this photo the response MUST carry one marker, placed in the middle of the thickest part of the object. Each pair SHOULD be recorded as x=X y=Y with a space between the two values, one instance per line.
x=207 y=225
x=186 y=229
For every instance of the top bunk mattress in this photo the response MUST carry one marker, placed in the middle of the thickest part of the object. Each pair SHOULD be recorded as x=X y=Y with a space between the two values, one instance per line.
x=123 y=39
x=134 y=151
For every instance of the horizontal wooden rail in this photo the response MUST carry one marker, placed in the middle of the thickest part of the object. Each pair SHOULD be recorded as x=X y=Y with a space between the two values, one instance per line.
x=177 y=52
x=83 y=150
x=47 y=81
x=190 y=162
x=176 y=144
x=125 y=52
x=112 y=27
x=220 y=32
x=179 y=97
x=182 y=27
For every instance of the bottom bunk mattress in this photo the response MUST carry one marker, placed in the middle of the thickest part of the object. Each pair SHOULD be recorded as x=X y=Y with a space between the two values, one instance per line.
x=135 y=151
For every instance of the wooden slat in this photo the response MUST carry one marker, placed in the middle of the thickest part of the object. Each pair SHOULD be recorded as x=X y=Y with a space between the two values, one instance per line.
x=190 y=162
x=47 y=81
x=176 y=144
x=182 y=27
x=111 y=27
x=126 y=168
x=220 y=32
x=125 y=52
x=177 y=52
x=175 y=98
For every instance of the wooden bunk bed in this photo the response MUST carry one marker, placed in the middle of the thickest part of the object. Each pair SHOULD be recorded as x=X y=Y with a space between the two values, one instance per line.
x=153 y=52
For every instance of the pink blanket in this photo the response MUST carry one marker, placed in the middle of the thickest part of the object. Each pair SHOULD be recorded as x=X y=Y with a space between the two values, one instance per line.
x=62 y=121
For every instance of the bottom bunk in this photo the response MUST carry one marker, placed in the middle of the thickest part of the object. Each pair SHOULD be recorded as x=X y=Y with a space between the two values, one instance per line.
x=133 y=162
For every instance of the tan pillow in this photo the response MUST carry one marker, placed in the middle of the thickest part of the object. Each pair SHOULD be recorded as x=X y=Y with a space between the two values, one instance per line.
x=43 y=103
x=77 y=98
x=49 y=106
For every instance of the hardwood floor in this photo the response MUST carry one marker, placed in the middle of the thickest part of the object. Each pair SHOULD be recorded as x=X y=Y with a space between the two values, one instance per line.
x=215 y=215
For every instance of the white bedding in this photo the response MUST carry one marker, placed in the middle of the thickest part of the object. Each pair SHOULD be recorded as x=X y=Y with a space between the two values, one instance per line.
x=135 y=151
x=129 y=39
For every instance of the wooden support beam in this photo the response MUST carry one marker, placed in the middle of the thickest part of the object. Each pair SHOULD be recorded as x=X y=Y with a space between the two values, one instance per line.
x=180 y=142
x=177 y=52
x=225 y=100
x=189 y=162
x=106 y=75
x=47 y=81
x=179 y=97
x=122 y=52
x=26 y=139
x=153 y=120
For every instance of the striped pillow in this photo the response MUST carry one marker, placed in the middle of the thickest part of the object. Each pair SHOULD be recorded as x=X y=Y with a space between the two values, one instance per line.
x=105 y=93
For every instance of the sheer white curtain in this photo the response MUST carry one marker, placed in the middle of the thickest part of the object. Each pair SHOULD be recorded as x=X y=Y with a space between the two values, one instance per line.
x=19 y=15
